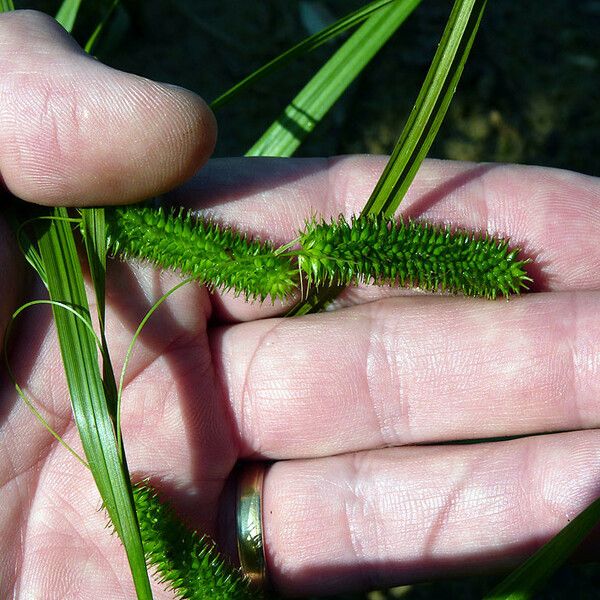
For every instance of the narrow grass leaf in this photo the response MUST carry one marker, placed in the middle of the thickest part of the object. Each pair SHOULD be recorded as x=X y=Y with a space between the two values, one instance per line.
x=67 y=13
x=93 y=228
x=134 y=339
x=307 y=109
x=18 y=220
x=522 y=583
x=80 y=359
x=6 y=6
x=305 y=46
x=11 y=375
x=430 y=108
x=93 y=39
x=94 y=238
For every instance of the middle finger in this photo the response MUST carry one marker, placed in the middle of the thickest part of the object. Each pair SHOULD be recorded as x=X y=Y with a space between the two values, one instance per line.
x=412 y=370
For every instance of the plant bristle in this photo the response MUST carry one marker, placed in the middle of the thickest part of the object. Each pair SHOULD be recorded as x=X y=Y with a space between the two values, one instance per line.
x=368 y=249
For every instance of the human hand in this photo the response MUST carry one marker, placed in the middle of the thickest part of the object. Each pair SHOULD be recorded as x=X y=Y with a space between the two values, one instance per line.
x=214 y=380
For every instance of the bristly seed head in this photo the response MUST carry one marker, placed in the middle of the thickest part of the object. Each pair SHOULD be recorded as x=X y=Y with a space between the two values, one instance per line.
x=187 y=562
x=216 y=256
x=388 y=252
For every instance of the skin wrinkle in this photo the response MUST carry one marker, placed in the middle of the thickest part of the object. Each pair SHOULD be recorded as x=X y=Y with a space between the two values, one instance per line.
x=49 y=125
x=17 y=471
x=442 y=518
x=351 y=501
x=492 y=509
x=555 y=497
x=484 y=212
x=26 y=502
x=396 y=428
x=60 y=126
x=506 y=377
x=544 y=505
x=371 y=396
x=540 y=478
x=567 y=382
x=60 y=423
x=247 y=409
x=72 y=578
x=396 y=370
x=574 y=364
x=532 y=470
x=279 y=390
x=561 y=381
x=374 y=519
x=151 y=98
x=338 y=188
x=360 y=513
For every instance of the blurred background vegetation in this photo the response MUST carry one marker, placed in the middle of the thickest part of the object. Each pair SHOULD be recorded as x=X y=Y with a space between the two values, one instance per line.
x=530 y=94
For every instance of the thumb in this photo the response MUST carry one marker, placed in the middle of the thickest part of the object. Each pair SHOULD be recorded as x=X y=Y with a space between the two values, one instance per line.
x=74 y=131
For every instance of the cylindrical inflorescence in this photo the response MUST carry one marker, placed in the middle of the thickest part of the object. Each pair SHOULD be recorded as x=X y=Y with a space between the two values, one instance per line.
x=385 y=251
x=215 y=255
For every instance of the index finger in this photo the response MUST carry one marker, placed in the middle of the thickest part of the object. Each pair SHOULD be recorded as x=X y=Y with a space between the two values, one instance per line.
x=552 y=215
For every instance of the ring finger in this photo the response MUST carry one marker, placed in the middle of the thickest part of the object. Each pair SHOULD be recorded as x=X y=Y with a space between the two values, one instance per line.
x=387 y=517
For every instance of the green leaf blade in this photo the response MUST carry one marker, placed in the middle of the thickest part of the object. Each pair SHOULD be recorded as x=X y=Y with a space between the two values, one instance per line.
x=100 y=28
x=430 y=108
x=79 y=353
x=305 y=46
x=308 y=108
x=67 y=13
x=93 y=229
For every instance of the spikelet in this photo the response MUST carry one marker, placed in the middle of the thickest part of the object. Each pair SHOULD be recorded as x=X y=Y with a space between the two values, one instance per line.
x=384 y=251
x=188 y=563
x=216 y=256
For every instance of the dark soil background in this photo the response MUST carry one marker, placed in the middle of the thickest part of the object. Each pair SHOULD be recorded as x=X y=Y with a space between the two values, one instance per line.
x=530 y=93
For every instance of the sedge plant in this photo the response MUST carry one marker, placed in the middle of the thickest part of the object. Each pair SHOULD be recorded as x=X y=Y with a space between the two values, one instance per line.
x=327 y=254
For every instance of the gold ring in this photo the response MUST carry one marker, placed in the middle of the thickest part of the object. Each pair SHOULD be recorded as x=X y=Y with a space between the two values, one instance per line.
x=250 y=540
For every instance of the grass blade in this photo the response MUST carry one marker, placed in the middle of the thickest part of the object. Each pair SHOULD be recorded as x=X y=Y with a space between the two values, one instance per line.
x=430 y=108
x=6 y=6
x=301 y=116
x=522 y=583
x=80 y=359
x=93 y=228
x=13 y=378
x=91 y=43
x=134 y=339
x=67 y=13
x=305 y=46
x=19 y=219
